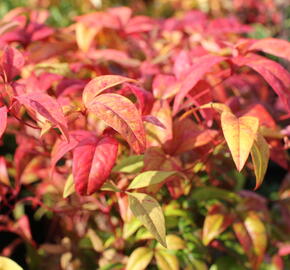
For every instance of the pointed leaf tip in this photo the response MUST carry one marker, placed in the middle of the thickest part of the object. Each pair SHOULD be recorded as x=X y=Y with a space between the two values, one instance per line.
x=239 y=134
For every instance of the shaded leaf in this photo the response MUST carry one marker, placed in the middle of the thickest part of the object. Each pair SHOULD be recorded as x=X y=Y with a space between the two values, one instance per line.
x=96 y=240
x=12 y=61
x=100 y=84
x=196 y=73
x=121 y=114
x=148 y=178
x=207 y=193
x=216 y=221
x=273 y=73
x=260 y=155
x=258 y=234
x=158 y=135
x=139 y=258
x=149 y=212
x=93 y=160
x=239 y=134
x=243 y=237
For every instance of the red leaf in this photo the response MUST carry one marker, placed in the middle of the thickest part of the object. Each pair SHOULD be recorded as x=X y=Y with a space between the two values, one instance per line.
x=100 y=84
x=62 y=147
x=47 y=107
x=12 y=61
x=187 y=135
x=273 y=73
x=197 y=71
x=144 y=98
x=3 y=120
x=121 y=114
x=93 y=160
x=278 y=47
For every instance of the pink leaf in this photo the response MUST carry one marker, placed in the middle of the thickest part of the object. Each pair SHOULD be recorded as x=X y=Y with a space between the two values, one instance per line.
x=93 y=160
x=197 y=71
x=153 y=120
x=47 y=107
x=3 y=120
x=278 y=47
x=273 y=73
x=12 y=61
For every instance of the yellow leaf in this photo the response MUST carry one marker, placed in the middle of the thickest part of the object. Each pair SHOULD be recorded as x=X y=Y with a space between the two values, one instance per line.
x=139 y=259
x=239 y=134
x=258 y=234
x=149 y=212
x=149 y=178
x=84 y=36
x=69 y=187
x=8 y=264
x=96 y=241
x=173 y=242
x=166 y=261
x=260 y=155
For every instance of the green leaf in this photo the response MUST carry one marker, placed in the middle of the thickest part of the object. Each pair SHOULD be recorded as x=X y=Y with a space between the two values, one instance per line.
x=110 y=186
x=149 y=178
x=69 y=187
x=131 y=164
x=208 y=193
x=131 y=227
x=149 y=212
x=8 y=264
x=260 y=155
x=139 y=259
x=216 y=221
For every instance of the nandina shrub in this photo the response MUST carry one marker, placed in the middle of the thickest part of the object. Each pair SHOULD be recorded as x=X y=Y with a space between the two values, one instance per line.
x=130 y=137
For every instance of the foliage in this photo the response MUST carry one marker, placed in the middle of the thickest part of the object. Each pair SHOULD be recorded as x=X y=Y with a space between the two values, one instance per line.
x=132 y=142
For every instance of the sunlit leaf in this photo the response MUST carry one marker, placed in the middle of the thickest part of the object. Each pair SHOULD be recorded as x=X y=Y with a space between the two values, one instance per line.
x=121 y=114
x=149 y=212
x=139 y=259
x=165 y=260
x=131 y=164
x=48 y=107
x=239 y=134
x=100 y=84
x=148 y=178
x=8 y=264
x=69 y=187
x=93 y=160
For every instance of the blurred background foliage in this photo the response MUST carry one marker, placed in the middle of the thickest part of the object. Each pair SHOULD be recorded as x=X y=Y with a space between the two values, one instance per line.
x=63 y=11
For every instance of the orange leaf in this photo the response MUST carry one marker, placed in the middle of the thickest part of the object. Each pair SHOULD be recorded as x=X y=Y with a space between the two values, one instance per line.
x=100 y=84
x=239 y=134
x=122 y=115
